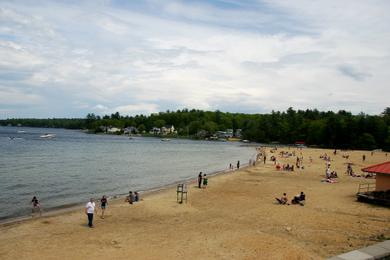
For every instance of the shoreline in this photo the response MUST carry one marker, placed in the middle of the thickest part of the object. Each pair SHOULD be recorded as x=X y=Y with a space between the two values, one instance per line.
x=69 y=208
x=235 y=217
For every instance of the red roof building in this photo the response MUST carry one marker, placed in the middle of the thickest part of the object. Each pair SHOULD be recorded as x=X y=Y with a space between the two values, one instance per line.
x=382 y=172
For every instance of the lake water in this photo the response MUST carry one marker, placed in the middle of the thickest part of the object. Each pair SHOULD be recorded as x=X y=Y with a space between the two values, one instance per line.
x=74 y=166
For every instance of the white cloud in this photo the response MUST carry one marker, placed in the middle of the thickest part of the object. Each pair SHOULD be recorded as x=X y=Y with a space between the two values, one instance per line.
x=18 y=97
x=252 y=57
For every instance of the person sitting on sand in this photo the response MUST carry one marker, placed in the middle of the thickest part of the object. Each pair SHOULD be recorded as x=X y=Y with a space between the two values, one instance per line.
x=299 y=199
x=349 y=169
x=333 y=174
x=35 y=206
x=130 y=199
x=283 y=200
x=327 y=172
x=329 y=180
x=136 y=196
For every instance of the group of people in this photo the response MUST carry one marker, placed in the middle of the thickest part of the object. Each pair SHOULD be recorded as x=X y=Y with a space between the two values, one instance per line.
x=90 y=209
x=285 y=154
x=132 y=197
x=231 y=167
x=330 y=174
x=202 y=180
x=285 y=167
x=298 y=199
x=261 y=155
x=299 y=162
x=325 y=157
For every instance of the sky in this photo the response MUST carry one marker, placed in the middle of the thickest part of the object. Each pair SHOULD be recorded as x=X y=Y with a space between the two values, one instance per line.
x=71 y=58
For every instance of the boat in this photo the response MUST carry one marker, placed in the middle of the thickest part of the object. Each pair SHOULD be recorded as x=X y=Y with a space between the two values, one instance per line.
x=165 y=139
x=21 y=132
x=48 y=136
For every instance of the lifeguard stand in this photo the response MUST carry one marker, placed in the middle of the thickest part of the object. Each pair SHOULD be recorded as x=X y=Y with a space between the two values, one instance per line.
x=181 y=193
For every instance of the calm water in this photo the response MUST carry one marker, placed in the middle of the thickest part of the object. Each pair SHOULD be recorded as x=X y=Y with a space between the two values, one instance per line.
x=75 y=166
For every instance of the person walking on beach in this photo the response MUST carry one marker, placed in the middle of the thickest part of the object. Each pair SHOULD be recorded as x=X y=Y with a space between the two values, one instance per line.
x=200 y=180
x=205 y=181
x=35 y=206
x=89 y=210
x=103 y=204
x=238 y=165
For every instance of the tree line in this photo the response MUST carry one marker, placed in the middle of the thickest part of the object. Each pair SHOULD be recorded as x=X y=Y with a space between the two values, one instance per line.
x=329 y=129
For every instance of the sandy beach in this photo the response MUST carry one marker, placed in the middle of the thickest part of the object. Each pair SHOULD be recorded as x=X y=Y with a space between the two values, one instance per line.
x=234 y=218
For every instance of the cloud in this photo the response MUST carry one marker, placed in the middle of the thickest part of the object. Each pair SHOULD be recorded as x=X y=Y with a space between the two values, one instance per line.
x=236 y=56
x=14 y=97
x=352 y=72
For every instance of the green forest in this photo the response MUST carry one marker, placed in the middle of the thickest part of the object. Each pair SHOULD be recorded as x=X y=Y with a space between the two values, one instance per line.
x=329 y=129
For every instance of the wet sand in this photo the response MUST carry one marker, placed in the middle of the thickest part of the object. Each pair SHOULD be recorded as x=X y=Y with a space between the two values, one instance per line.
x=234 y=218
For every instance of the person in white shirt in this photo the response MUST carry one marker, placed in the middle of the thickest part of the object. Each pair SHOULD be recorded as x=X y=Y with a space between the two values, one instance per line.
x=89 y=210
x=327 y=172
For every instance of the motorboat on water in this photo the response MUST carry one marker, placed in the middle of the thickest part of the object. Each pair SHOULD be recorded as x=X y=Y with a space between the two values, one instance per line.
x=48 y=136
x=21 y=132
x=165 y=139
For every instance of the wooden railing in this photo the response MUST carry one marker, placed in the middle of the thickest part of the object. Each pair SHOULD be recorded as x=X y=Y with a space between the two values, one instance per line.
x=366 y=187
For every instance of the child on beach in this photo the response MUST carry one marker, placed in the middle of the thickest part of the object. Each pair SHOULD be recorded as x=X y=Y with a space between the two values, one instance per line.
x=103 y=204
x=205 y=181
x=283 y=200
x=35 y=206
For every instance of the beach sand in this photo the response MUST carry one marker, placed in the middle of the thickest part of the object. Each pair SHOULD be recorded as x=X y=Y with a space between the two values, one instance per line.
x=234 y=218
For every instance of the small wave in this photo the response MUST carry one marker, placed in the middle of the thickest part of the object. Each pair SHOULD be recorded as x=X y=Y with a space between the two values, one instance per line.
x=16 y=186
